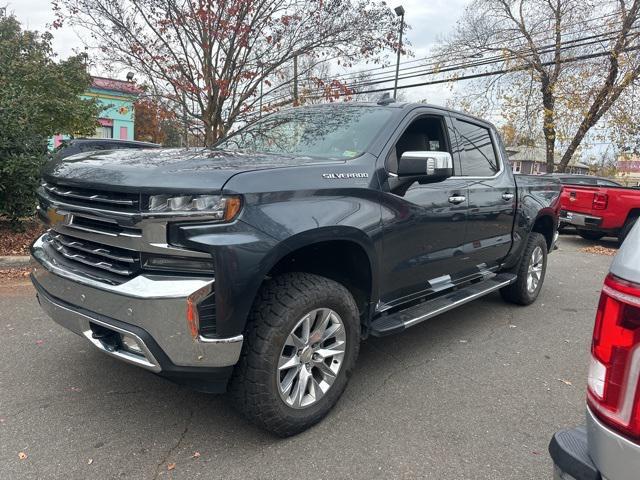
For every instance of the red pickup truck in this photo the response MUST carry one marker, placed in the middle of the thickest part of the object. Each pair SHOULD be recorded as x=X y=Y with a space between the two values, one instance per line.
x=596 y=211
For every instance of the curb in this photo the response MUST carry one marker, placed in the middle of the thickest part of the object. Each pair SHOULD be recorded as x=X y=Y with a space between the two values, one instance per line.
x=14 y=261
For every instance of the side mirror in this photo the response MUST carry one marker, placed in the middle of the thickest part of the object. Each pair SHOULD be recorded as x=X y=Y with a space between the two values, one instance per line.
x=426 y=165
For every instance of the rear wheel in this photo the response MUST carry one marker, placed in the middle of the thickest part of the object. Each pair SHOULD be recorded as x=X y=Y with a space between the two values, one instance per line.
x=590 y=234
x=299 y=352
x=530 y=272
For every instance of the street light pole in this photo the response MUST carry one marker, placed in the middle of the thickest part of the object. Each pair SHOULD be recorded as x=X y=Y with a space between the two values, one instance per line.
x=400 y=13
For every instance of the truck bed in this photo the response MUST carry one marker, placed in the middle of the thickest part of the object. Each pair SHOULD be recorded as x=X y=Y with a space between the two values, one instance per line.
x=605 y=209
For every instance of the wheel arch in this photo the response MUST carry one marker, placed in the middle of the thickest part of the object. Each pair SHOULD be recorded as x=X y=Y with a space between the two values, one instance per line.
x=633 y=213
x=344 y=254
x=323 y=251
x=545 y=224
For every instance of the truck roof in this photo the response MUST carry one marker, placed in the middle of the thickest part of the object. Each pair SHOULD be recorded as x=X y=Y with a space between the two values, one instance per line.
x=396 y=106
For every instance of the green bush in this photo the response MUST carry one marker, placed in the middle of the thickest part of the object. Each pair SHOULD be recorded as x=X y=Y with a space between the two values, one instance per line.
x=19 y=178
x=39 y=97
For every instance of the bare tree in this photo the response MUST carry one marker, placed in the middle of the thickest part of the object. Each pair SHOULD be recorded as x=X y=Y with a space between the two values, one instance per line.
x=623 y=125
x=210 y=57
x=565 y=63
x=301 y=84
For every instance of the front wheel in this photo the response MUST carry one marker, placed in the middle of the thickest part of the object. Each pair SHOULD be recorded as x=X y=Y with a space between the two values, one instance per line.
x=530 y=272
x=300 y=349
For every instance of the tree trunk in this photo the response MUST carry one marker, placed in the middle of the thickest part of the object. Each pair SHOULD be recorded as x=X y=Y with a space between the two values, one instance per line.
x=549 y=124
x=210 y=136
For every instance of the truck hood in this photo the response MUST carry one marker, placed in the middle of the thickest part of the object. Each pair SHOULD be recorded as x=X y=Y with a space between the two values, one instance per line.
x=183 y=170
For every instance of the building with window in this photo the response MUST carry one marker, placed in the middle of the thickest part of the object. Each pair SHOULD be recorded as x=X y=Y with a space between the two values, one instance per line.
x=628 y=166
x=532 y=160
x=117 y=117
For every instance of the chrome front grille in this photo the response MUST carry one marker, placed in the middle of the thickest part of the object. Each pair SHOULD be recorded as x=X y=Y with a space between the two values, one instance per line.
x=120 y=201
x=102 y=235
x=120 y=264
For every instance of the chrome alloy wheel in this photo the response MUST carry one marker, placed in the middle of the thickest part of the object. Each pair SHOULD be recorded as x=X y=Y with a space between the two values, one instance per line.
x=535 y=269
x=311 y=358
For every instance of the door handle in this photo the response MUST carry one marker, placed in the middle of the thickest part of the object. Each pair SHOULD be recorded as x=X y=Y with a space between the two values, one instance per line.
x=456 y=199
x=507 y=196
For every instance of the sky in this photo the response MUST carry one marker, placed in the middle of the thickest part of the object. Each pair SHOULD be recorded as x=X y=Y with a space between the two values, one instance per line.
x=429 y=21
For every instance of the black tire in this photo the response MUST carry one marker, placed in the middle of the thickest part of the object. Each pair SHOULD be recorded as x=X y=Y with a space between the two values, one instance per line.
x=590 y=234
x=518 y=292
x=628 y=225
x=280 y=305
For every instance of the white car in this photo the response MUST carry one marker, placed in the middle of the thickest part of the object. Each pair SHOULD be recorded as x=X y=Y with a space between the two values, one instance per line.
x=608 y=447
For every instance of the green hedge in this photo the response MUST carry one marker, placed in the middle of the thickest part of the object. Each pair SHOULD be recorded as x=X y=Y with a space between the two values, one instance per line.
x=19 y=178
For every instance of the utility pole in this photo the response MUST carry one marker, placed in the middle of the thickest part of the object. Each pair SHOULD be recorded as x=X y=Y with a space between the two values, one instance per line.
x=295 y=81
x=400 y=13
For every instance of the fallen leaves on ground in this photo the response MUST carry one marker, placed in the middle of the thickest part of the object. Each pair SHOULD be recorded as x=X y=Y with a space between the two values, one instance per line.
x=17 y=243
x=566 y=382
x=171 y=466
x=599 y=250
x=195 y=455
x=14 y=273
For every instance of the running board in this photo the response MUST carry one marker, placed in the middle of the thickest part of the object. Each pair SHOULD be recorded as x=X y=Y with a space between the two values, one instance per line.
x=398 y=321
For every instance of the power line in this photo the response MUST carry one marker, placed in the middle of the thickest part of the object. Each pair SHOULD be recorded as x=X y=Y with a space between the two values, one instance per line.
x=433 y=59
x=484 y=61
x=498 y=59
x=498 y=72
x=568 y=45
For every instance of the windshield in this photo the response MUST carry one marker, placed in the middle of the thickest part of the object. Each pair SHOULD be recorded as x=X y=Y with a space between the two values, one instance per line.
x=330 y=132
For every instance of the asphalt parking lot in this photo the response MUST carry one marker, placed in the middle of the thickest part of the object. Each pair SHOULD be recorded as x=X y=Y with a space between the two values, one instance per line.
x=475 y=393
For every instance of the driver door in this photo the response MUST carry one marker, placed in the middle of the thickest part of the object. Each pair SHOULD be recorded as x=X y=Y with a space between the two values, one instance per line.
x=423 y=225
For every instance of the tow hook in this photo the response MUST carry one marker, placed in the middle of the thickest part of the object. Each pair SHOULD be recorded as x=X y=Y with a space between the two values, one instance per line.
x=108 y=338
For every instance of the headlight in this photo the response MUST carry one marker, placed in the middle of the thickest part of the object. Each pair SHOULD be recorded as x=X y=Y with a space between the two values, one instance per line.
x=216 y=206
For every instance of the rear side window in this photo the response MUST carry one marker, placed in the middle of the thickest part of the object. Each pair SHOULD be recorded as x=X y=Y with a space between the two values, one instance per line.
x=477 y=153
x=578 y=181
x=607 y=183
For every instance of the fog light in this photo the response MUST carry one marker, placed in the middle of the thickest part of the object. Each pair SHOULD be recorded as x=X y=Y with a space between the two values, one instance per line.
x=199 y=265
x=131 y=345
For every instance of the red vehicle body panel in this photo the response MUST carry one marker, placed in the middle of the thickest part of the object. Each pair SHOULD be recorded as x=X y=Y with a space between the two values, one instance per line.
x=608 y=208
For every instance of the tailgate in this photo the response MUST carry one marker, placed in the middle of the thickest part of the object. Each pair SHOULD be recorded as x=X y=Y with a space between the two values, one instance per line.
x=578 y=198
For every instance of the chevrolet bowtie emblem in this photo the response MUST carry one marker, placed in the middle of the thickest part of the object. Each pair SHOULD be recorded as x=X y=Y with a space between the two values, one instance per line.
x=54 y=217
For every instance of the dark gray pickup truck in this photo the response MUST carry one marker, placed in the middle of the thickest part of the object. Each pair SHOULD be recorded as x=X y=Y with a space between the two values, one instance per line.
x=259 y=265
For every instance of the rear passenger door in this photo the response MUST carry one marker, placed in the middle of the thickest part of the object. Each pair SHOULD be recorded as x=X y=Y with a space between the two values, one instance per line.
x=491 y=192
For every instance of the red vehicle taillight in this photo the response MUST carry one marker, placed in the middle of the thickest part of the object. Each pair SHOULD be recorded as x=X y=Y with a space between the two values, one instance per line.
x=612 y=391
x=599 y=201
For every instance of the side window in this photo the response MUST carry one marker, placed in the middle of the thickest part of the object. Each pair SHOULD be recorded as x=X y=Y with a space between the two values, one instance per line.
x=579 y=181
x=607 y=183
x=423 y=134
x=91 y=147
x=477 y=153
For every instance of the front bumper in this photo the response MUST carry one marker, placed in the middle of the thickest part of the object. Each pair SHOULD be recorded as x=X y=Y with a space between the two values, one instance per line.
x=593 y=453
x=150 y=309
